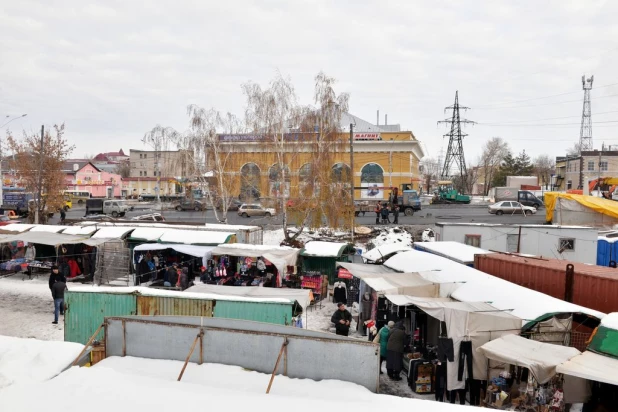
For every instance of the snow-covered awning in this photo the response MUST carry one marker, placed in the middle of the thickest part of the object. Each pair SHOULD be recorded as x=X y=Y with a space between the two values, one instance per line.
x=402 y=283
x=280 y=256
x=299 y=295
x=196 y=237
x=204 y=252
x=321 y=248
x=147 y=234
x=362 y=271
x=458 y=252
x=48 y=228
x=79 y=230
x=16 y=227
x=112 y=232
x=591 y=366
x=539 y=357
x=43 y=238
x=384 y=252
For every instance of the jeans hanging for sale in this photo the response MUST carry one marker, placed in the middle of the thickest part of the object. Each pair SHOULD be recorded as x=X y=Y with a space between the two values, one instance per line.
x=453 y=396
x=445 y=350
x=465 y=353
x=475 y=391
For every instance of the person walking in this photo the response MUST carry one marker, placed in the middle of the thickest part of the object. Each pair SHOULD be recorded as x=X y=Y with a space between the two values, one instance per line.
x=394 y=351
x=63 y=215
x=396 y=215
x=58 y=289
x=382 y=339
x=384 y=212
x=342 y=319
x=378 y=214
x=55 y=276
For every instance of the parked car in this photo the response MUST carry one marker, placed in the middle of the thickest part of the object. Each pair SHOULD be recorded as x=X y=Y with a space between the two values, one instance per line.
x=190 y=205
x=107 y=207
x=254 y=210
x=509 y=208
x=154 y=217
x=234 y=205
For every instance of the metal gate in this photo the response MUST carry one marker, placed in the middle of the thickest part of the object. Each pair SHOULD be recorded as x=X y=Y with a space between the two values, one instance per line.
x=113 y=263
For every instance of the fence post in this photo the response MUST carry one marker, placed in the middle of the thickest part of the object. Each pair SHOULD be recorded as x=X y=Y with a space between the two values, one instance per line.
x=272 y=376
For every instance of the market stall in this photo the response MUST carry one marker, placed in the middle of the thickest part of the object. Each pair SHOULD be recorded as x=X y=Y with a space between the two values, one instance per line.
x=320 y=258
x=524 y=375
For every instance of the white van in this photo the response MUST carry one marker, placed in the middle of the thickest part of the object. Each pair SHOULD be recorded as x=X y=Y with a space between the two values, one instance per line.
x=115 y=207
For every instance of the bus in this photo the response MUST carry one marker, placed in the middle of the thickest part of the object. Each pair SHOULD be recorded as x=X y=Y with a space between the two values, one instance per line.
x=77 y=196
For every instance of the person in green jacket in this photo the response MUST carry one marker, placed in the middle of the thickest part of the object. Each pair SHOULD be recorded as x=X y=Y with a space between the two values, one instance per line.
x=382 y=339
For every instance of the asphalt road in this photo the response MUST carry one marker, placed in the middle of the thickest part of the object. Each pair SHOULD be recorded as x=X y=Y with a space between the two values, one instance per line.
x=428 y=216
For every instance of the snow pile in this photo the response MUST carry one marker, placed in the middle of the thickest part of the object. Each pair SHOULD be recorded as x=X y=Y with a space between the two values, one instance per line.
x=322 y=248
x=610 y=321
x=31 y=360
x=133 y=382
x=393 y=235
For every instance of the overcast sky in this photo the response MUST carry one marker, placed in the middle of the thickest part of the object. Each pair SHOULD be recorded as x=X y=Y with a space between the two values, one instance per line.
x=111 y=70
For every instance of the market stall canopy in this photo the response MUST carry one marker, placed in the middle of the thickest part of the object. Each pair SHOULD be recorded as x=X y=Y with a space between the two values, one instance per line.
x=539 y=357
x=321 y=248
x=361 y=271
x=44 y=238
x=112 y=232
x=15 y=228
x=455 y=251
x=597 y=204
x=591 y=366
x=204 y=252
x=302 y=296
x=280 y=256
x=403 y=284
x=147 y=234
x=384 y=252
x=196 y=237
x=48 y=228
x=79 y=230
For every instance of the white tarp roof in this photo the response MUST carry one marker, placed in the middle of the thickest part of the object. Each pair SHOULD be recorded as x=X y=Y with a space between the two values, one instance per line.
x=112 y=232
x=539 y=357
x=362 y=271
x=194 y=237
x=380 y=252
x=403 y=284
x=48 y=228
x=591 y=366
x=149 y=234
x=192 y=250
x=300 y=295
x=16 y=227
x=280 y=256
x=140 y=290
x=79 y=230
x=459 y=252
x=323 y=249
x=220 y=226
x=43 y=238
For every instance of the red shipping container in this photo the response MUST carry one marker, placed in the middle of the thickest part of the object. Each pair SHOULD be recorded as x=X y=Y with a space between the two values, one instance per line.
x=594 y=287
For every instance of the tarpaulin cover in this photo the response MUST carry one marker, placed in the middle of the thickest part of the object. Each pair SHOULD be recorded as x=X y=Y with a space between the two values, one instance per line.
x=195 y=237
x=302 y=296
x=44 y=238
x=592 y=366
x=540 y=358
x=361 y=270
x=477 y=322
x=198 y=251
x=456 y=251
x=383 y=251
x=324 y=249
x=598 y=204
x=280 y=256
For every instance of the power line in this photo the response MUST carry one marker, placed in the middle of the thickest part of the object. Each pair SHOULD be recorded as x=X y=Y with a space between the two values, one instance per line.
x=547 y=104
x=552 y=118
x=542 y=124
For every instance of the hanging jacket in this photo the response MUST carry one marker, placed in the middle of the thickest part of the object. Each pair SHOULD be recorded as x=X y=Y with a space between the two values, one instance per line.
x=382 y=339
x=74 y=268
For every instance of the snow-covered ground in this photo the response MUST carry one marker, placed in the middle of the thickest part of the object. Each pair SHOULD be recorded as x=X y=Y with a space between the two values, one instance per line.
x=138 y=384
x=32 y=360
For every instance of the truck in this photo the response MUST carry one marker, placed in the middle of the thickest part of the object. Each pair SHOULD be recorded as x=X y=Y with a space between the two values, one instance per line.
x=16 y=199
x=518 y=181
x=106 y=207
x=408 y=200
x=525 y=197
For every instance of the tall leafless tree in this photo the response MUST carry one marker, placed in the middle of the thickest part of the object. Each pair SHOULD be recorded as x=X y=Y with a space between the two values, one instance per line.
x=492 y=156
x=544 y=166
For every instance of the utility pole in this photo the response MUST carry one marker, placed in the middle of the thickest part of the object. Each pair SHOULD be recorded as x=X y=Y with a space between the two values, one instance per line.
x=352 y=181
x=37 y=206
x=455 y=152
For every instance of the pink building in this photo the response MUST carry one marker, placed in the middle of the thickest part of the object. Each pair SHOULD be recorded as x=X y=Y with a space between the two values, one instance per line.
x=85 y=176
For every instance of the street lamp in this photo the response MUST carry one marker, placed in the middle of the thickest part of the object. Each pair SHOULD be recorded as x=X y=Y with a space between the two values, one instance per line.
x=14 y=118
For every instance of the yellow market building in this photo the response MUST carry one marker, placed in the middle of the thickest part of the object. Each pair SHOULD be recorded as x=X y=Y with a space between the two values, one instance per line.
x=384 y=156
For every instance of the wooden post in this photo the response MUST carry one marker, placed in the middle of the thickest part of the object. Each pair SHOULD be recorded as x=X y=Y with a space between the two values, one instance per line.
x=124 y=339
x=285 y=361
x=272 y=376
x=189 y=355
x=88 y=344
x=202 y=347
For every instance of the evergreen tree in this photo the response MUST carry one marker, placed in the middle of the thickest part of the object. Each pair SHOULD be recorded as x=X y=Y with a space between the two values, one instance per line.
x=507 y=167
x=523 y=165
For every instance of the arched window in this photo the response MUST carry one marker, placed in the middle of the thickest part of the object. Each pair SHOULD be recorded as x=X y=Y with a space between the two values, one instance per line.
x=341 y=173
x=372 y=177
x=279 y=181
x=250 y=181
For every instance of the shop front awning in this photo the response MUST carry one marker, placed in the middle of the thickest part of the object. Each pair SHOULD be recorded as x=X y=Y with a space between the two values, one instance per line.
x=204 y=252
x=591 y=366
x=44 y=238
x=540 y=358
x=280 y=256
x=301 y=296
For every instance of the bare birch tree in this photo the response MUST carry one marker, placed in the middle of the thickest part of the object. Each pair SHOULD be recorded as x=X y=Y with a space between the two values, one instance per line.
x=492 y=156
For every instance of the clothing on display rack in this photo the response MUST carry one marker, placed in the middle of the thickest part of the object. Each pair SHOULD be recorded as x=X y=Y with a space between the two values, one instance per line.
x=340 y=292
x=440 y=380
x=465 y=354
x=462 y=396
x=445 y=349
x=475 y=391
x=353 y=291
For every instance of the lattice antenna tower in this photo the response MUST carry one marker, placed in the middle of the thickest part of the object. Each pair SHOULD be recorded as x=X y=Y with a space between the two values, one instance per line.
x=585 y=132
x=455 y=152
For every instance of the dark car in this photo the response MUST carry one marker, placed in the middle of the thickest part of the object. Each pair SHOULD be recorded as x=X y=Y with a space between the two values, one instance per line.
x=190 y=205
x=233 y=206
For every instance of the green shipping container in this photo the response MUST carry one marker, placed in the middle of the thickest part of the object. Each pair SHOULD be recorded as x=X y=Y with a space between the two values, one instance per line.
x=85 y=312
x=277 y=313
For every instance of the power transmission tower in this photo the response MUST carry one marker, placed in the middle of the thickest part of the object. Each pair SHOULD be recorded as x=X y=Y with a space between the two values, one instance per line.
x=455 y=152
x=585 y=133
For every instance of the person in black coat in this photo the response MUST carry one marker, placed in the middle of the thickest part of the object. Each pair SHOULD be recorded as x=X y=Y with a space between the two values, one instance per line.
x=342 y=320
x=54 y=277
x=394 y=351
x=396 y=215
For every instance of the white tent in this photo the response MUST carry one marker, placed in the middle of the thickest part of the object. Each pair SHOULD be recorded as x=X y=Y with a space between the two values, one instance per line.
x=80 y=230
x=477 y=322
x=302 y=296
x=383 y=280
x=591 y=366
x=48 y=228
x=204 y=252
x=44 y=238
x=16 y=227
x=280 y=256
x=324 y=249
x=361 y=270
x=195 y=237
x=112 y=232
x=539 y=357
x=455 y=251
x=148 y=234
x=384 y=251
